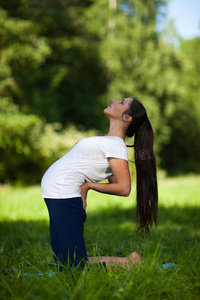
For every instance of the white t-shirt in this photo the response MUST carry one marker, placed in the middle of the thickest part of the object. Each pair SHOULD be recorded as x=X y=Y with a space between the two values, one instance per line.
x=86 y=161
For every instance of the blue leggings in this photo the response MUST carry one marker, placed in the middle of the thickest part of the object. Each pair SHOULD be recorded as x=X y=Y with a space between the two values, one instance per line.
x=67 y=218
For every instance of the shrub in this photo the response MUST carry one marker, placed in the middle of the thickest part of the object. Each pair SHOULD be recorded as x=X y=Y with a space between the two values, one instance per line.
x=28 y=146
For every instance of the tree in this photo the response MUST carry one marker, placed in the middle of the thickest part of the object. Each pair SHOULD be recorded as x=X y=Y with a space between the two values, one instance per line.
x=181 y=153
x=138 y=61
x=82 y=53
x=64 y=83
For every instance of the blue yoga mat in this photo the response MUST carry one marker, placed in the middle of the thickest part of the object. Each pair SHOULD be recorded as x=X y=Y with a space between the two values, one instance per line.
x=165 y=266
x=37 y=274
x=168 y=265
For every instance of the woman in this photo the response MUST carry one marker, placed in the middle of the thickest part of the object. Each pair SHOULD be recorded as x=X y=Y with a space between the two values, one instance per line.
x=67 y=181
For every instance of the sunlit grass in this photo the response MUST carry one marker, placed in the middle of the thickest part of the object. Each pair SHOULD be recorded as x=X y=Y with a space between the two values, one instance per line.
x=22 y=203
x=109 y=230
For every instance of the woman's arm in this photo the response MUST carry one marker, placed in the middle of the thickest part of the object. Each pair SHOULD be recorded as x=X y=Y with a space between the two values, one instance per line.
x=112 y=179
x=119 y=184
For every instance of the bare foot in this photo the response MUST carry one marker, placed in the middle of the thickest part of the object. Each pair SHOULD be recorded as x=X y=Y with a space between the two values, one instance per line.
x=134 y=257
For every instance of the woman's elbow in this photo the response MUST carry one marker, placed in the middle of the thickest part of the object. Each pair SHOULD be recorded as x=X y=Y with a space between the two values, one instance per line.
x=127 y=191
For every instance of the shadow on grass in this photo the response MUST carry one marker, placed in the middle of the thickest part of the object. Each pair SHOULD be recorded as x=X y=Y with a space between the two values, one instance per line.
x=108 y=232
x=16 y=237
x=117 y=219
x=117 y=227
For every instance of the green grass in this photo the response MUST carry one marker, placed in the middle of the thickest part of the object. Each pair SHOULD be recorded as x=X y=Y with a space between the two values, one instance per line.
x=109 y=231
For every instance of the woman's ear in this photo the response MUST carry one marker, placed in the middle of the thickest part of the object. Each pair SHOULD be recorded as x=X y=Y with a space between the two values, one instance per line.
x=126 y=118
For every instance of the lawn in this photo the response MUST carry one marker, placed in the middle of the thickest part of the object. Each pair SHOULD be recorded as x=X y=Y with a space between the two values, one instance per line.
x=109 y=231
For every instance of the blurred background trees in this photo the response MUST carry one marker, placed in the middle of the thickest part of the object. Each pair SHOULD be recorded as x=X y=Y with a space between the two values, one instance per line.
x=61 y=61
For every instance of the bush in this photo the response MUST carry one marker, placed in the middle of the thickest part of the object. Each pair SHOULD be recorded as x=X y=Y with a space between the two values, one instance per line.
x=28 y=146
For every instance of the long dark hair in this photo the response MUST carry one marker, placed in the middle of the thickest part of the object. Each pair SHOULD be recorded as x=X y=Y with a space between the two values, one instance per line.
x=147 y=193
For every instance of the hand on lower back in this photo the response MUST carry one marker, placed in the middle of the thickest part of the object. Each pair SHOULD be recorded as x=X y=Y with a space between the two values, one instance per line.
x=83 y=192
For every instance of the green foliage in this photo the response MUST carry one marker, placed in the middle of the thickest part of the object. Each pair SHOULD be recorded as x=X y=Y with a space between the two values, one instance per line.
x=109 y=230
x=21 y=51
x=62 y=61
x=19 y=138
x=53 y=64
x=26 y=146
x=181 y=152
x=138 y=63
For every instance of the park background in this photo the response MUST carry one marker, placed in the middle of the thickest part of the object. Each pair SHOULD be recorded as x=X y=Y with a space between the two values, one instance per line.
x=61 y=63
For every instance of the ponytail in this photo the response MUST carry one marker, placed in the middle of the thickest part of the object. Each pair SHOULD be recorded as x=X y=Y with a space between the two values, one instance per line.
x=147 y=193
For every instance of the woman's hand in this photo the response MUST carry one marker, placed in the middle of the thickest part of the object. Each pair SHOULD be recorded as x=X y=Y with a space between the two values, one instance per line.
x=120 y=182
x=83 y=192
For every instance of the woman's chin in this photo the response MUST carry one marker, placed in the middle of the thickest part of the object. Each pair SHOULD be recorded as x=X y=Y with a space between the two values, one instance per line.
x=106 y=111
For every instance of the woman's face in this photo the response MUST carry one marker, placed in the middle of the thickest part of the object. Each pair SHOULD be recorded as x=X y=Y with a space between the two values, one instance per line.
x=117 y=108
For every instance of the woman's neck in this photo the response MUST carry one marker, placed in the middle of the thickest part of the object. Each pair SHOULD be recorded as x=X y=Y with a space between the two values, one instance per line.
x=116 y=130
